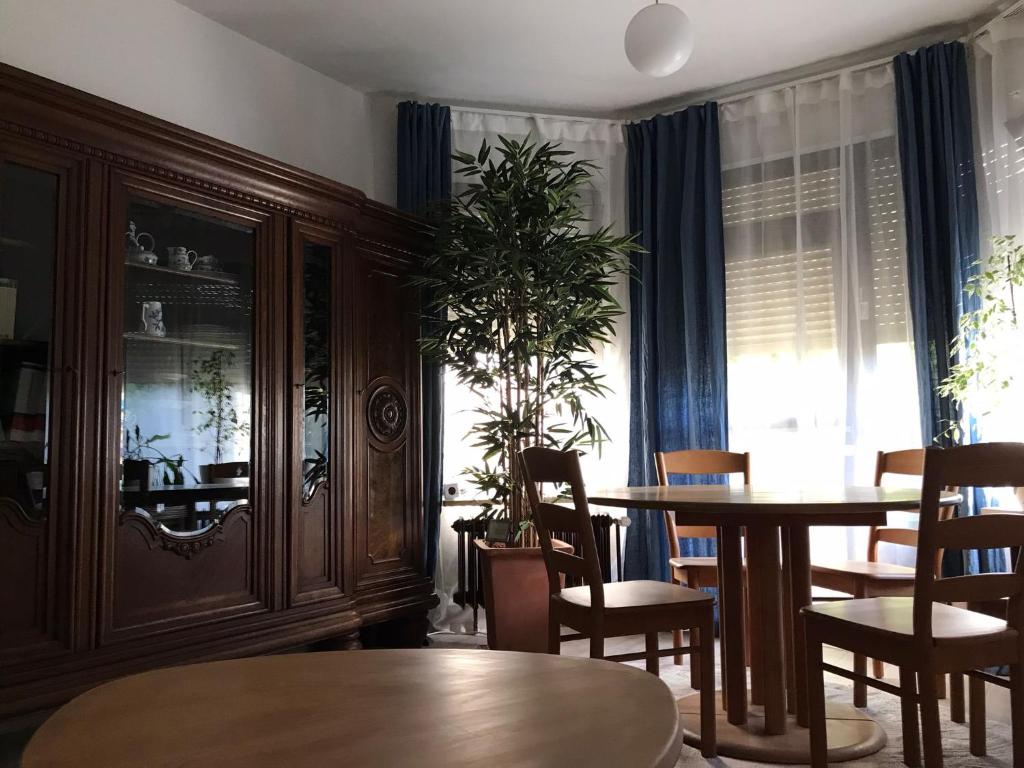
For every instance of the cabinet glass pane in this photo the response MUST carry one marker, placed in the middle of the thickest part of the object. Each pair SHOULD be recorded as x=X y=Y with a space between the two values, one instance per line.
x=186 y=409
x=28 y=248
x=316 y=326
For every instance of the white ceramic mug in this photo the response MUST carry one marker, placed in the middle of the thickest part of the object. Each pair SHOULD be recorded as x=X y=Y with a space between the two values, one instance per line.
x=180 y=257
x=153 y=319
x=207 y=263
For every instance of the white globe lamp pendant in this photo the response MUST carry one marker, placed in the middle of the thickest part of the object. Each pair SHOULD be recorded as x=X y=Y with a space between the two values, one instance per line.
x=659 y=40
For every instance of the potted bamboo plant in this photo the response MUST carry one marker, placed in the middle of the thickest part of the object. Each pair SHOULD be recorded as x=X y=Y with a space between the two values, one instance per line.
x=210 y=380
x=519 y=291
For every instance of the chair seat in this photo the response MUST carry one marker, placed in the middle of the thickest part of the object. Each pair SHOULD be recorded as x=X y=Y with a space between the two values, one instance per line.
x=823 y=593
x=881 y=571
x=626 y=595
x=694 y=562
x=895 y=616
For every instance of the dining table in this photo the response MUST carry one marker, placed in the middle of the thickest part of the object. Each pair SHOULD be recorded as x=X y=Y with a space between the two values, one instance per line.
x=768 y=722
x=428 y=708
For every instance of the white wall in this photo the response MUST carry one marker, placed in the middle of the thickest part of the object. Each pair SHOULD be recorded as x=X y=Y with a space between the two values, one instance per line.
x=166 y=60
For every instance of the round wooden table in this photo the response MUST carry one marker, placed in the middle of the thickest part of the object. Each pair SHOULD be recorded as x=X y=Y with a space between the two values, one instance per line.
x=422 y=708
x=770 y=726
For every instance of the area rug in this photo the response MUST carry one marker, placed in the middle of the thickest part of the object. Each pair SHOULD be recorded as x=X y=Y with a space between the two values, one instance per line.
x=881 y=706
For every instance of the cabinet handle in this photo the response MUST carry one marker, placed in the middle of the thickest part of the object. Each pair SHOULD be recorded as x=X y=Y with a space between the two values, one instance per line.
x=115 y=372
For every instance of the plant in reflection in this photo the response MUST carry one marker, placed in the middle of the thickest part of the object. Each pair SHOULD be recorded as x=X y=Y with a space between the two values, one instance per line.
x=521 y=296
x=220 y=416
x=141 y=449
x=985 y=355
x=316 y=341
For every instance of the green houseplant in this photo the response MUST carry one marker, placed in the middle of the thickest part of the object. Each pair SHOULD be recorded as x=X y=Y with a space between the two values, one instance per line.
x=141 y=458
x=520 y=292
x=985 y=355
x=219 y=417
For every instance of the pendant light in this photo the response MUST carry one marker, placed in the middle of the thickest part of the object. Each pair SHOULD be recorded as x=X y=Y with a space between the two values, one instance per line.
x=659 y=39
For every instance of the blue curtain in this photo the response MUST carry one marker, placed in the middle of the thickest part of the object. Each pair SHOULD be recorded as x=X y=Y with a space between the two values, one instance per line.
x=937 y=158
x=940 y=197
x=677 y=311
x=425 y=177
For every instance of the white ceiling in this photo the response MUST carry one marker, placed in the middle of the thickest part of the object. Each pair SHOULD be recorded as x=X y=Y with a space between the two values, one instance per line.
x=564 y=55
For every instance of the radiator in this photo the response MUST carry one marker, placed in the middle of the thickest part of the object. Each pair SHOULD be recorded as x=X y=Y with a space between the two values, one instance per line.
x=470 y=592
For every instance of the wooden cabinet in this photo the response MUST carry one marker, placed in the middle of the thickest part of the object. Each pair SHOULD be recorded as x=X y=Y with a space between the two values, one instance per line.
x=209 y=401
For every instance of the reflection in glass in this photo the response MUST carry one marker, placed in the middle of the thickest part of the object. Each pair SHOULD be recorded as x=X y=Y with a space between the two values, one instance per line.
x=187 y=398
x=28 y=246
x=316 y=316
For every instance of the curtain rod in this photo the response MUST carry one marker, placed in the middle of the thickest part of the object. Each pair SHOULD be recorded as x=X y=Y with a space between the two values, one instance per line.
x=537 y=115
x=808 y=79
x=1014 y=7
x=1018 y=5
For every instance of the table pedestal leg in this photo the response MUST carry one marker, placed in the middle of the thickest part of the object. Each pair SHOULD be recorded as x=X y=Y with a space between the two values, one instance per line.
x=763 y=567
x=800 y=595
x=731 y=613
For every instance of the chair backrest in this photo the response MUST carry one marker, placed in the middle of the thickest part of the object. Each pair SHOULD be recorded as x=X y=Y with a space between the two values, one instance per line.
x=546 y=465
x=909 y=462
x=986 y=465
x=696 y=462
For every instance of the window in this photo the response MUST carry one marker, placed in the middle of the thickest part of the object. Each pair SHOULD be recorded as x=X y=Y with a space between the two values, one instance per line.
x=821 y=365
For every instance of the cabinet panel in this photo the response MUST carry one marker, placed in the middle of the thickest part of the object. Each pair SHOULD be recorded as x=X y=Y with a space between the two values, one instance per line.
x=228 y=536
x=317 y=478
x=183 y=271
x=35 y=512
x=387 y=494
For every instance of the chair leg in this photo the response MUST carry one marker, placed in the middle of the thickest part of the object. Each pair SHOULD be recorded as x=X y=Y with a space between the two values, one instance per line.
x=976 y=725
x=677 y=637
x=597 y=642
x=1017 y=712
x=878 y=669
x=554 y=631
x=696 y=639
x=816 y=699
x=911 y=732
x=860 y=663
x=651 y=656
x=694 y=582
x=706 y=660
x=930 y=729
x=956 y=698
x=677 y=642
x=860 y=688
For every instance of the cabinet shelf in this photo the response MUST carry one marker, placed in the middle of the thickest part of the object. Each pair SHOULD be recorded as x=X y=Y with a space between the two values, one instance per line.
x=146 y=338
x=207 y=277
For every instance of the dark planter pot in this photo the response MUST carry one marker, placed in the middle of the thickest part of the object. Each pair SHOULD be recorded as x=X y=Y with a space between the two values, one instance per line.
x=137 y=473
x=211 y=473
x=516 y=596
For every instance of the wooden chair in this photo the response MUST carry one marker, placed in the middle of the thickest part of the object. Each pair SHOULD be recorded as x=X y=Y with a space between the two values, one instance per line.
x=871 y=578
x=976 y=691
x=695 y=572
x=923 y=635
x=598 y=610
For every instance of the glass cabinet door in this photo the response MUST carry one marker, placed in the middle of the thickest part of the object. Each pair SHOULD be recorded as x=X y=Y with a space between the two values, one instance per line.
x=28 y=248
x=186 y=407
x=316 y=346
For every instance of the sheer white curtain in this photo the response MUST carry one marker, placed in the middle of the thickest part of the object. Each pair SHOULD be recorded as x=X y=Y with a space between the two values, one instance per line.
x=998 y=59
x=601 y=142
x=821 y=366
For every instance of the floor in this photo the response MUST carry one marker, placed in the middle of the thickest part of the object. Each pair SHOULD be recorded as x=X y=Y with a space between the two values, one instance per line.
x=14 y=733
